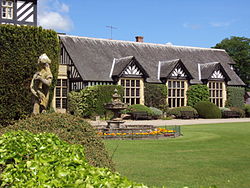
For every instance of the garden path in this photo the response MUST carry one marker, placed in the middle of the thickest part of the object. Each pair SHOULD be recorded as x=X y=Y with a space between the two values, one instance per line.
x=176 y=121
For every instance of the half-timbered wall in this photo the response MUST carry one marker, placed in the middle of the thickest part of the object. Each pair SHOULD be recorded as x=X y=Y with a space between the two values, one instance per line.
x=22 y=12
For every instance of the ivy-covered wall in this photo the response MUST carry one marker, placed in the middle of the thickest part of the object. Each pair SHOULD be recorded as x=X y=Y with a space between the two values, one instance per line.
x=20 y=47
x=155 y=95
x=235 y=97
x=90 y=101
x=197 y=93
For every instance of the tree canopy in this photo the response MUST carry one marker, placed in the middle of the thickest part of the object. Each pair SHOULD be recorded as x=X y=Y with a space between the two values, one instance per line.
x=239 y=49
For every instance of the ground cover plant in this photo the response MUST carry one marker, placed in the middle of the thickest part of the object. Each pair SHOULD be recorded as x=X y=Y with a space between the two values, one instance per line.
x=215 y=154
x=43 y=160
x=71 y=129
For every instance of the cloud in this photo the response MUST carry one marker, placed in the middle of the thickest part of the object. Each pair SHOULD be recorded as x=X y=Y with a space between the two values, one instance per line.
x=220 y=24
x=52 y=14
x=191 y=26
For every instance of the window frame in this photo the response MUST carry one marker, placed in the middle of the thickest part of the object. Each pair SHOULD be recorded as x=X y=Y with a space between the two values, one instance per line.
x=217 y=92
x=177 y=92
x=8 y=10
x=61 y=97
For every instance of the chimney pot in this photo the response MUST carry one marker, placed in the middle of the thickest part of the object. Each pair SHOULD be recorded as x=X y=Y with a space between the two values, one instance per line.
x=139 y=38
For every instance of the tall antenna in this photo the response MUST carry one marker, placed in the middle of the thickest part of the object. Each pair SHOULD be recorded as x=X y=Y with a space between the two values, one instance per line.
x=111 y=30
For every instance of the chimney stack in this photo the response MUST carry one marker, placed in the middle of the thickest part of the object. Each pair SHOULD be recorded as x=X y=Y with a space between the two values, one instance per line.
x=139 y=38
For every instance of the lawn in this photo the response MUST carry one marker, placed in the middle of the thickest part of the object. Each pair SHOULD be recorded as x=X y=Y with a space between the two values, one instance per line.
x=215 y=154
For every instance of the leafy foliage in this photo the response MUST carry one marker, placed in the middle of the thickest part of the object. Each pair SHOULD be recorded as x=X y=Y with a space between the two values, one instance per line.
x=207 y=110
x=155 y=95
x=177 y=111
x=247 y=110
x=20 y=48
x=156 y=113
x=235 y=97
x=70 y=129
x=139 y=108
x=197 y=93
x=34 y=160
x=239 y=49
x=90 y=101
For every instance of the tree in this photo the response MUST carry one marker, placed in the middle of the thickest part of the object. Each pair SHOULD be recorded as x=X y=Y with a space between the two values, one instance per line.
x=239 y=49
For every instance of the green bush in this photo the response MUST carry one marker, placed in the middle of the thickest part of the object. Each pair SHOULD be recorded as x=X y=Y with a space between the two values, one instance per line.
x=155 y=95
x=197 y=93
x=239 y=111
x=20 y=48
x=177 y=111
x=70 y=129
x=208 y=110
x=90 y=101
x=156 y=113
x=247 y=110
x=139 y=108
x=235 y=97
x=43 y=160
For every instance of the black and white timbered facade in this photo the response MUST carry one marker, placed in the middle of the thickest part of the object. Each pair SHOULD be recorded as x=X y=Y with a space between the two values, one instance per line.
x=91 y=61
x=18 y=12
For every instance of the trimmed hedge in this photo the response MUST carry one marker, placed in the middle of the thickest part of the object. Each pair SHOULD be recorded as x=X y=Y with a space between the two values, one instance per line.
x=177 y=111
x=235 y=97
x=20 y=48
x=197 y=93
x=155 y=95
x=238 y=110
x=208 y=110
x=71 y=129
x=139 y=108
x=90 y=101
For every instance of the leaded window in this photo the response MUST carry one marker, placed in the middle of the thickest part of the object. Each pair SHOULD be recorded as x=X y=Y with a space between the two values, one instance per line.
x=176 y=93
x=132 y=89
x=7 y=9
x=61 y=93
x=216 y=92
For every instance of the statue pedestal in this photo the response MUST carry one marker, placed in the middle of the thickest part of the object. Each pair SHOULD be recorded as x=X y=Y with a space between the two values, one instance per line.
x=115 y=124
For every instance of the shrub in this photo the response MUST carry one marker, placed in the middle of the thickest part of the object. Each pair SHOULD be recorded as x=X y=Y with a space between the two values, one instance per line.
x=247 y=110
x=207 y=110
x=139 y=108
x=235 y=97
x=155 y=95
x=239 y=111
x=43 y=160
x=20 y=47
x=90 y=101
x=197 y=93
x=71 y=129
x=177 y=111
x=156 y=113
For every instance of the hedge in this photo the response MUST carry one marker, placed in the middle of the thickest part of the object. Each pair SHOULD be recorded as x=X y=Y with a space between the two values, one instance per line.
x=208 y=110
x=177 y=111
x=20 y=48
x=90 y=101
x=71 y=129
x=235 y=97
x=155 y=95
x=197 y=93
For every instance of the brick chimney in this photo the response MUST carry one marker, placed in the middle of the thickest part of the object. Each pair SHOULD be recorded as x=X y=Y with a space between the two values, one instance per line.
x=139 y=38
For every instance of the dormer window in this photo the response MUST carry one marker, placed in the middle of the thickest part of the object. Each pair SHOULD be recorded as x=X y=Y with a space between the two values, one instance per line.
x=7 y=9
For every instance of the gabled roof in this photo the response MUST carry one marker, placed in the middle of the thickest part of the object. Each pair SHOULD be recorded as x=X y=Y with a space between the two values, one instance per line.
x=207 y=69
x=119 y=66
x=94 y=57
x=167 y=67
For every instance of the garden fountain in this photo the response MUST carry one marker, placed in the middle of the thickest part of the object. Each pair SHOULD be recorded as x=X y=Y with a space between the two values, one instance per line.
x=115 y=106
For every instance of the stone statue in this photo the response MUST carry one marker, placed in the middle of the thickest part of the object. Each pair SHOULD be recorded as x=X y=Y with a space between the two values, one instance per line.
x=40 y=84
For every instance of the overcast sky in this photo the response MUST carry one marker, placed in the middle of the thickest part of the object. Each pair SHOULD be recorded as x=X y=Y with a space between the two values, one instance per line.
x=201 y=23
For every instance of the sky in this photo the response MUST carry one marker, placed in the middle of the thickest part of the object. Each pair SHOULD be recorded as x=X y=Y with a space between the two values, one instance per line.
x=199 y=23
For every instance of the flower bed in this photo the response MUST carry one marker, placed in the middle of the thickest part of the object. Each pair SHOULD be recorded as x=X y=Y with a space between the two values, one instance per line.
x=137 y=133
